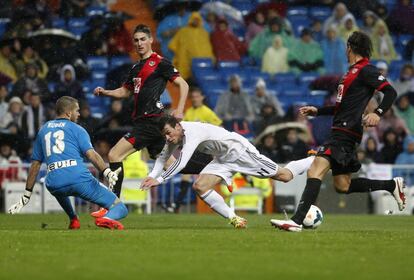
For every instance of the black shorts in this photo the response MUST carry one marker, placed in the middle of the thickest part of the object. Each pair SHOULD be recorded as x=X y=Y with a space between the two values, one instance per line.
x=197 y=163
x=146 y=134
x=340 y=150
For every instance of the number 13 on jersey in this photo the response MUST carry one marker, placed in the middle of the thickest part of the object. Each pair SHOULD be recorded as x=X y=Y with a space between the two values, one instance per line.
x=58 y=146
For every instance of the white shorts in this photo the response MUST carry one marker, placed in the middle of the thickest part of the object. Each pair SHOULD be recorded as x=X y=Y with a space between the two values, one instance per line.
x=249 y=163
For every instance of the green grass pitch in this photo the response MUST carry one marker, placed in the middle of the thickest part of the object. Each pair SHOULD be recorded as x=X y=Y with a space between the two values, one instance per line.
x=205 y=247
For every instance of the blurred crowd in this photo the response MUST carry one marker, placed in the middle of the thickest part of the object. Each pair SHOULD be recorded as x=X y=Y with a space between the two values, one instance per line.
x=35 y=70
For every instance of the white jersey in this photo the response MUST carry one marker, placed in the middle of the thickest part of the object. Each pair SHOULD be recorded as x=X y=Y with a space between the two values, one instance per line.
x=223 y=145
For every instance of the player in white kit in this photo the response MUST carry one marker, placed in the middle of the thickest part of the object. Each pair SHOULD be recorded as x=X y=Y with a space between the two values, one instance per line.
x=231 y=153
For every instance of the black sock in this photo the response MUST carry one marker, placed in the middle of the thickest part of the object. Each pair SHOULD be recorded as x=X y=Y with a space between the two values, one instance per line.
x=118 y=186
x=367 y=185
x=309 y=196
x=183 y=191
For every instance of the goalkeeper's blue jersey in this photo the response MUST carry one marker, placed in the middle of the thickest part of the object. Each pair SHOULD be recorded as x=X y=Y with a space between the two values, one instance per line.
x=62 y=144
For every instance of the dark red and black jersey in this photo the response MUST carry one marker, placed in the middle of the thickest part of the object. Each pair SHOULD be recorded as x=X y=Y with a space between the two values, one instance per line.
x=147 y=81
x=355 y=90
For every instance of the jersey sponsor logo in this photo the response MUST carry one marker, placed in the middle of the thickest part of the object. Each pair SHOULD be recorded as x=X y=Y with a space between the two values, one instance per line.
x=61 y=164
x=151 y=63
x=340 y=93
x=137 y=85
x=381 y=78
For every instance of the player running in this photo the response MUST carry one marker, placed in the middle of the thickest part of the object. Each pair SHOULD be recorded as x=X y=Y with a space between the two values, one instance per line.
x=231 y=153
x=339 y=153
x=146 y=82
x=62 y=145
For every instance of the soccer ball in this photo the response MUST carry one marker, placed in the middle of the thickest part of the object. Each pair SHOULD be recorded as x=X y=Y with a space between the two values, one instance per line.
x=313 y=218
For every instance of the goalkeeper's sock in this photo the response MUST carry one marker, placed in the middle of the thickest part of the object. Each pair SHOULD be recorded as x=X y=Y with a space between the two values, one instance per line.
x=217 y=203
x=117 y=211
x=118 y=186
x=309 y=196
x=368 y=185
x=299 y=166
x=64 y=201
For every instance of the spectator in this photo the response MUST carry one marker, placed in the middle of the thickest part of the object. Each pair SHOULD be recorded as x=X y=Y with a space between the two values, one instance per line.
x=116 y=117
x=391 y=148
x=261 y=98
x=255 y=27
x=405 y=82
x=234 y=104
x=4 y=106
x=369 y=21
x=89 y=123
x=14 y=114
x=73 y=8
x=273 y=13
x=8 y=160
x=382 y=45
x=406 y=111
x=30 y=81
x=226 y=45
x=68 y=85
x=264 y=39
x=383 y=68
x=390 y=120
x=306 y=55
x=118 y=38
x=401 y=18
x=348 y=27
x=293 y=148
x=333 y=51
x=33 y=117
x=371 y=150
x=268 y=147
x=94 y=40
x=30 y=56
x=316 y=30
x=190 y=42
x=407 y=157
x=338 y=17
x=275 y=59
x=210 y=22
x=169 y=26
x=6 y=66
x=198 y=112
x=268 y=116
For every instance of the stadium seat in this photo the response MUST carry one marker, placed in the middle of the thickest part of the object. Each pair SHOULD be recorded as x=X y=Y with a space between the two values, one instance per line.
x=320 y=13
x=224 y=65
x=96 y=10
x=298 y=23
x=78 y=22
x=117 y=61
x=306 y=78
x=285 y=78
x=59 y=23
x=297 y=11
x=97 y=63
x=78 y=31
x=396 y=65
x=202 y=63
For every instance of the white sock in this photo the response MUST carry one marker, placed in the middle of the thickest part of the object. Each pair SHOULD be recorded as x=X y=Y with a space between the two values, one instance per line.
x=217 y=203
x=299 y=166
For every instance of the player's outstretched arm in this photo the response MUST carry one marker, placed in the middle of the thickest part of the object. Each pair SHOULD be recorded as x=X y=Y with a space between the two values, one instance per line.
x=31 y=179
x=183 y=86
x=117 y=93
x=99 y=163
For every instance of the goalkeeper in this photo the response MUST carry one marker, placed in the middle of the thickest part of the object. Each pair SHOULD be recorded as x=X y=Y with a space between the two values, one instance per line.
x=62 y=145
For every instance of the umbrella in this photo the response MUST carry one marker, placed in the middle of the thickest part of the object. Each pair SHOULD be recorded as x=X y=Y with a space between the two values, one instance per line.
x=54 y=33
x=233 y=16
x=277 y=128
x=171 y=7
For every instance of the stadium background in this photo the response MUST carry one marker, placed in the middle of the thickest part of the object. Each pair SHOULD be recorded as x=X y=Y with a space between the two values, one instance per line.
x=103 y=58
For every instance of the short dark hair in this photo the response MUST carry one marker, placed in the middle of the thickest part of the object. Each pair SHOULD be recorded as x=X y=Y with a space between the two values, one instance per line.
x=196 y=89
x=144 y=29
x=64 y=104
x=167 y=119
x=360 y=44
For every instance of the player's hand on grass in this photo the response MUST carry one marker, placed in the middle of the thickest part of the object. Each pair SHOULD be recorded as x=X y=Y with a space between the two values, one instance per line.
x=148 y=183
x=178 y=115
x=111 y=176
x=308 y=111
x=371 y=120
x=98 y=91
x=17 y=207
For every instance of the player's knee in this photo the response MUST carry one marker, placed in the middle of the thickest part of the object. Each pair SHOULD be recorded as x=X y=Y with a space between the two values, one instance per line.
x=199 y=187
x=341 y=187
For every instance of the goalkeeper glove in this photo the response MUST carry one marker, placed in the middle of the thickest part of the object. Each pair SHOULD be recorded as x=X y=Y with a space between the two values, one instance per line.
x=111 y=176
x=17 y=207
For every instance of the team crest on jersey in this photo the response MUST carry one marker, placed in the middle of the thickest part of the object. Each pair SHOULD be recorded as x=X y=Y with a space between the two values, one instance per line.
x=151 y=63
x=354 y=70
x=137 y=85
x=340 y=93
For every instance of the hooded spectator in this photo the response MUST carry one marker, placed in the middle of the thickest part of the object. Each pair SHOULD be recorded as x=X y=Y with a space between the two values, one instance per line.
x=68 y=85
x=369 y=20
x=261 y=97
x=255 y=27
x=33 y=117
x=406 y=111
x=275 y=59
x=348 y=27
x=382 y=44
x=407 y=155
x=337 y=19
x=14 y=114
x=31 y=81
x=333 y=52
x=405 y=82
